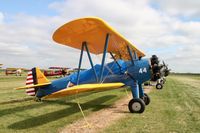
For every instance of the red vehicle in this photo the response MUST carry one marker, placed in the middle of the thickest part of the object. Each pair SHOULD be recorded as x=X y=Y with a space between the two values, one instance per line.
x=56 y=71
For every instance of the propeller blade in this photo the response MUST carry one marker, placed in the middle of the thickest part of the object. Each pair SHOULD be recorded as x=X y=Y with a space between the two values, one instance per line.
x=164 y=63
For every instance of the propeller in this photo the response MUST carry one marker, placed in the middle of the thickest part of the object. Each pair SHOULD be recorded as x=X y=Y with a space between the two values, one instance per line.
x=155 y=68
x=166 y=70
x=154 y=60
x=159 y=70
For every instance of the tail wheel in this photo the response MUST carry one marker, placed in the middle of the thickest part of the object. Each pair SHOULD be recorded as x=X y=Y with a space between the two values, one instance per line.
x=136 y=105
x=37 y=99
x=159 y=86
x=146 y=99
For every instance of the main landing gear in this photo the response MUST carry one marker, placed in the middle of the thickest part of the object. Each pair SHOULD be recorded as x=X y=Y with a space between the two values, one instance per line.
x=137 y=105
x=160 y=83
x=140 y=99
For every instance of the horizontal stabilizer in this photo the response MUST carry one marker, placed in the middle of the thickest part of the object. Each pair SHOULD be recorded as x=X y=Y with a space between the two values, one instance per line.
x=84 y=88
x=33 y=86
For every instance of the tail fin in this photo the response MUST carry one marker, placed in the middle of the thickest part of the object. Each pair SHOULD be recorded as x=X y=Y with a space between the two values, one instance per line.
x=35 y=78
x=38 y=76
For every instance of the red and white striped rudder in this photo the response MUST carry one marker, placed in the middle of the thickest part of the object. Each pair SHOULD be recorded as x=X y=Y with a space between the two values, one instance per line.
x=30 y=81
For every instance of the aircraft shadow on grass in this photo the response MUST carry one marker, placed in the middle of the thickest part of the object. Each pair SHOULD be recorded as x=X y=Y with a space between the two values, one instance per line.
x=8 y=111
x=18 y=109
x=95 y=105
x=15 y=101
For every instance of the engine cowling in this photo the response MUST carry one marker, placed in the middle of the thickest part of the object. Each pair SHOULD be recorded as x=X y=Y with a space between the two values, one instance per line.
x=158 y=70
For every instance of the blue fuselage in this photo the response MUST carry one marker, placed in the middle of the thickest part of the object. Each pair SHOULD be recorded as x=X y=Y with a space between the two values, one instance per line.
x=125 y=72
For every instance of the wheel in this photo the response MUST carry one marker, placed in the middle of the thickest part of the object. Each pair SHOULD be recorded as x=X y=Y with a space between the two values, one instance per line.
x=136 y=105
x=159 y=86
x=37 y=99
x=146 y=99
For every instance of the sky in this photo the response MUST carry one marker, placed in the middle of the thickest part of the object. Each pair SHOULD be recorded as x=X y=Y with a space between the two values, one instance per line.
x=168 y=28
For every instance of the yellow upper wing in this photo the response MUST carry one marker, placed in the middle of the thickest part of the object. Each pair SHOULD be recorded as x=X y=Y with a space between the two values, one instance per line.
x=84 y=88
x=93 y=31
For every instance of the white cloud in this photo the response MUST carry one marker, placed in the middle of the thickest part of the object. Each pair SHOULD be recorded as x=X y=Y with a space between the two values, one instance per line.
x=1 y=17
x=155 y=31
x=186 y=8
x=28 y=43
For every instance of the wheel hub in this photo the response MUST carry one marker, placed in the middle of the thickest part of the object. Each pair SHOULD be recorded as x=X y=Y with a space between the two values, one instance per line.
x=159 y=86
x=136 y=106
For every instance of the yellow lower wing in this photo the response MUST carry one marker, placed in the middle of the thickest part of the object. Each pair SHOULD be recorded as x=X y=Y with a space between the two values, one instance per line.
x=84 y=88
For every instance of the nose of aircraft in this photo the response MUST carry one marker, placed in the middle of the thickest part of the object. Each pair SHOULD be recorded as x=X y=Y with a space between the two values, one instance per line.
x=158 y=69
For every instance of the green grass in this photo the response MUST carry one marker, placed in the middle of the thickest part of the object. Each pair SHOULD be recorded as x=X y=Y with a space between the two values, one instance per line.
x=17 y=115
x=176 y=108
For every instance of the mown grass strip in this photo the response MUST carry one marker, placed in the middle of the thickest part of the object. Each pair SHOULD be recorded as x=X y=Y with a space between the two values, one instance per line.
x=173 y=109
x=18 y=113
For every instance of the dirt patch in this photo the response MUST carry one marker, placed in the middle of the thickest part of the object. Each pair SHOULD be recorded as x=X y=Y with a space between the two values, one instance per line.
x=101 y=119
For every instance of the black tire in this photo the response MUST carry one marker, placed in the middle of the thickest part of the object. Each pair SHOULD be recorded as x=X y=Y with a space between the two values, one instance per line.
x=136 y=105
x=38 y=99
x=146 y=99
x=159 y=86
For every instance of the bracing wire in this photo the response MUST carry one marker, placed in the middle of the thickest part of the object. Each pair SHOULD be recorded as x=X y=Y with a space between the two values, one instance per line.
x=110 y=71
x=116 y=46
x=81 y=110
x=108 y=68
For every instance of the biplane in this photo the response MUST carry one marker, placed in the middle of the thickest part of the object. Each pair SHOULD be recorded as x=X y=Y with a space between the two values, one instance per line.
x=16 y=71
x=162 y=71
x=56 y=71
x=95 y=36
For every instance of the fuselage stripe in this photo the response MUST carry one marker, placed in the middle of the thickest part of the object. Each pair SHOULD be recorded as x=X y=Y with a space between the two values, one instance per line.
x=30 y=89
x=30 y=72
x=31 y=94
x=29 y=81
x=31 y=76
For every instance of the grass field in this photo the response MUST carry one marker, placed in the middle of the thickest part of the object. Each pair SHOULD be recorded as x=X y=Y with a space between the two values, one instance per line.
x=18 y=115
x=176 y=108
